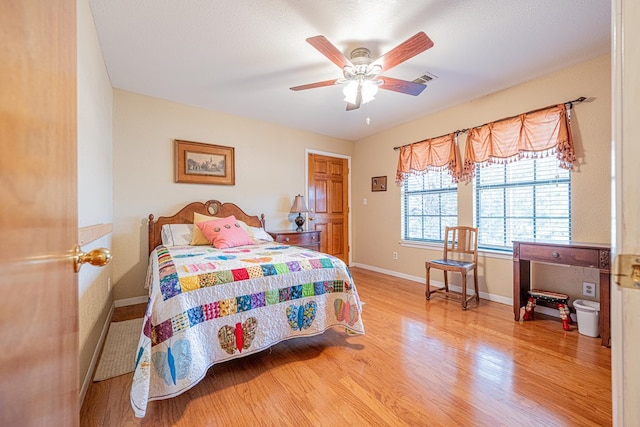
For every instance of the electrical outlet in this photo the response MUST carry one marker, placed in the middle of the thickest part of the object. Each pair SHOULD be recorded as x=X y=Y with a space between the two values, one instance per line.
x=589 y=289
x=395 y=255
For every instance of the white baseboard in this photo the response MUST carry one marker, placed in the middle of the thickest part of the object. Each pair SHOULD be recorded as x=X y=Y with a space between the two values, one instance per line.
x=94 y=359
x=553 y=312
x=421 y=280
x=496 y=298
x=547 y=310
x=131 y=301
x=103 y=336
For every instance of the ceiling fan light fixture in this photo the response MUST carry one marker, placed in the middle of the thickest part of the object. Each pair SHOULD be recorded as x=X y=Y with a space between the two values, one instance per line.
x=349 y=72
x=369 y=91
x=373 y=70
x=368 y=88
x=350 y=92
x=362 y=75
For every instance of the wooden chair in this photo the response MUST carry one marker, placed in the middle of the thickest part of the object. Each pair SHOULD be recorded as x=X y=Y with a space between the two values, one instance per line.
x=460 y=255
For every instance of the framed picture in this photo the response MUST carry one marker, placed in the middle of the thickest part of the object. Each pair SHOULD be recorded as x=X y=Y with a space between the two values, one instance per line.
x=379 y=183
x=199 y=163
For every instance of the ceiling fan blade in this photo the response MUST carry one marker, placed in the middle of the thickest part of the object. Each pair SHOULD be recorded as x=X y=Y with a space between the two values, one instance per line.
x=355 y=106
x=329 y=50
x=405 y=50
x=351 y=107
x=317 y=84
x=402 y=86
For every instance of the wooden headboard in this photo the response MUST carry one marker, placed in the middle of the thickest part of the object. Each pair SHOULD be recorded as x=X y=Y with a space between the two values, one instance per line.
x=185 y=216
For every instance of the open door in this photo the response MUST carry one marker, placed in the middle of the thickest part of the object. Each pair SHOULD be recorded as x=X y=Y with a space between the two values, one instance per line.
x=625 y=301
x=38 y=226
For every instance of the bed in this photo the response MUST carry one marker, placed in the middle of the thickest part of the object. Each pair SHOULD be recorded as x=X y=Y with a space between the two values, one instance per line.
x=211 y=304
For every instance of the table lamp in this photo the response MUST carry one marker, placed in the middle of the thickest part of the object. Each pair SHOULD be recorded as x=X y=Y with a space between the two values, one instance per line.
x=299 y=206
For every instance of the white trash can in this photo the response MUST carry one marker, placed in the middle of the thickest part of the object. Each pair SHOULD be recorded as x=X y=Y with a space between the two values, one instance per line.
x=588 y=316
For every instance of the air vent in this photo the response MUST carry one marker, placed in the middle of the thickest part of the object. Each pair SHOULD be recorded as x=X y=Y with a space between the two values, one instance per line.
x=425 y=78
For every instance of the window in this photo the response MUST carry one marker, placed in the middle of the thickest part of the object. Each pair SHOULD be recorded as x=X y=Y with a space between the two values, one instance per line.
x=525 y=199
x=430 y=203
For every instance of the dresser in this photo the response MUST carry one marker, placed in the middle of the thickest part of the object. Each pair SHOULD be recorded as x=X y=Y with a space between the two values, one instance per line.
x=578 y=254
x=306 y=239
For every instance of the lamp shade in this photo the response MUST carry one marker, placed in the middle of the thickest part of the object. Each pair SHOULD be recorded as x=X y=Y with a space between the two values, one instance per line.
x=369 y=89
x=299 y=205
x=350 y=91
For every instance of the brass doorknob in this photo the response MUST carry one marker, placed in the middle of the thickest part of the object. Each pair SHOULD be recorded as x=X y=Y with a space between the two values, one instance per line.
x=98 y=257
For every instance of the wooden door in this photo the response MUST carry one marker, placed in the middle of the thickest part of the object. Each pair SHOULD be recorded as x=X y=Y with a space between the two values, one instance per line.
x=38 y=214
x=625 y=302
x=329 y=202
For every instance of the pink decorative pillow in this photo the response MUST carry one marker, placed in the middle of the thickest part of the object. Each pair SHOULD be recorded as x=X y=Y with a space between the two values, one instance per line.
x=225 y=233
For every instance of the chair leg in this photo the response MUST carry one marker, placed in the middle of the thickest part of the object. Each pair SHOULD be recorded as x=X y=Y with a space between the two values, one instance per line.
x=464 y=291
x=427 y=293
x=446 y=281
x=475 y=282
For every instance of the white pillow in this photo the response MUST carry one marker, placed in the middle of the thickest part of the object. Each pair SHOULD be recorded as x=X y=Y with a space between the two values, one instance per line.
x=177 y=234
x=259 y=234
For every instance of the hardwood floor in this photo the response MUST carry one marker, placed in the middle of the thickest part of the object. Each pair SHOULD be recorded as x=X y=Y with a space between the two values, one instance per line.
x=421 y=363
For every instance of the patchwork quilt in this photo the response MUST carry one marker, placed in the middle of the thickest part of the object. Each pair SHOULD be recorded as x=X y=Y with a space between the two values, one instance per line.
x=210 y=305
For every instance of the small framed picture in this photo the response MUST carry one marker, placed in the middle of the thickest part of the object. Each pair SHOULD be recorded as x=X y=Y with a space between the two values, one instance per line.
x=379 y=183
x=199 y=163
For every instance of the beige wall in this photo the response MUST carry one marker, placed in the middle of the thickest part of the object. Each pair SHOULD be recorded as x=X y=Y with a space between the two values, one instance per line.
x=95 y=184
x=377 y=224
x=269 y=169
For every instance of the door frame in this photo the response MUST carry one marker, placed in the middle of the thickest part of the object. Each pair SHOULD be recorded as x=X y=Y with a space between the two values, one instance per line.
x=308 y=151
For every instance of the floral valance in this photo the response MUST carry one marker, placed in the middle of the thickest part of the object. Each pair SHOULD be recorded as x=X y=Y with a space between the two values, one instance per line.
x=536 y=134
x=439 y=154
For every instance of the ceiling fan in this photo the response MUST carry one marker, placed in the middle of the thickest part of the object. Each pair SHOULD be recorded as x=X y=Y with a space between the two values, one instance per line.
x=362 y=74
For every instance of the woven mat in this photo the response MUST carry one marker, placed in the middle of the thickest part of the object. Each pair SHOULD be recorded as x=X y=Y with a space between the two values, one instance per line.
x=119 y=352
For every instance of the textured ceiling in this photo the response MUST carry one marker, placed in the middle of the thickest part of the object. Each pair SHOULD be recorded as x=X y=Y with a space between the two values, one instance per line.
x=242 y=56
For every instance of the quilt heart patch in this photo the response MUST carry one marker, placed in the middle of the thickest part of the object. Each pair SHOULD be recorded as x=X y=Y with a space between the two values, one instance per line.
x=221 y=257
x=257 y=260
x=236 y=251
x=188 y=255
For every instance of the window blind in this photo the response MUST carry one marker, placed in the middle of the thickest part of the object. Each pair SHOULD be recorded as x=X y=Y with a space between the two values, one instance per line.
x=529 y=199
x=430 y=203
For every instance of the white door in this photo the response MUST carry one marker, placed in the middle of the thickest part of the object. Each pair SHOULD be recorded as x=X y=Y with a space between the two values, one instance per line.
x=625 y=303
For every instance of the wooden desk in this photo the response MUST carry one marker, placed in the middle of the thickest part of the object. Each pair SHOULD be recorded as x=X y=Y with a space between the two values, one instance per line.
x=577 y=254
